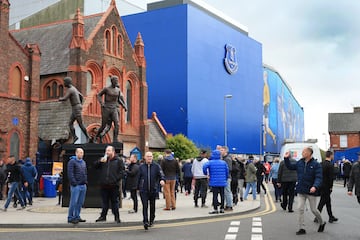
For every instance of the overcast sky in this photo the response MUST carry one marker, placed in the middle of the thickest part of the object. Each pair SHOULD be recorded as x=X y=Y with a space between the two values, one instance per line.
x=314 y=46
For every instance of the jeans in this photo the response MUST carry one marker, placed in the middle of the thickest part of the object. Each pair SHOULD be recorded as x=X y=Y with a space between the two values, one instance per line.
x=312 y=202
x=251 y=185
x=216 y=191
x=14 y=189
x=276 y=189
x=228 y=194
x=169 y=192
x=77 y=198
x=28 y=193
x=110 y=194
x=201 y=186
x=147 y=198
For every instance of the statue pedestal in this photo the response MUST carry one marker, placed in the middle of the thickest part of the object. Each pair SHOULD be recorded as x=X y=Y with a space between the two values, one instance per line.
x=92 y=153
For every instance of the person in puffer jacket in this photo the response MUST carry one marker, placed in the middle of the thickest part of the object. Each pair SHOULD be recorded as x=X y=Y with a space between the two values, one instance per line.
x=309 y=174
x=218 y=174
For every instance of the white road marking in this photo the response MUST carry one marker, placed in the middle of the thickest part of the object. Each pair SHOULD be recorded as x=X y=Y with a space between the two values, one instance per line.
x=257 y=224
x=235 y=223
x=256 y=237
x=230 y=236
x=256 y=219
x=256 y=230
x=233 y=229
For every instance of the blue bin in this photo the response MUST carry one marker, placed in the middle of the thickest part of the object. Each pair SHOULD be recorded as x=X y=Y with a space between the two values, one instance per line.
x=50 y=185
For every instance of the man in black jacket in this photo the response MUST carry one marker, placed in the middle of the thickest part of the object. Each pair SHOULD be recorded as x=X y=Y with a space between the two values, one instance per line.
x=287 y=181
x=112 y=170
x=354 y=179
x=132 y=173
x=150 y=175
x=326 y=187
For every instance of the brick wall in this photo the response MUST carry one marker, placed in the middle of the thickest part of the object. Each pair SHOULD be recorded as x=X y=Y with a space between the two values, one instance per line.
x=353 y=140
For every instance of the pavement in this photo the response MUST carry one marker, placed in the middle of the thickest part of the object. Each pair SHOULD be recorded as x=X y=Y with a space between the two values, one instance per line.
x=45 y=213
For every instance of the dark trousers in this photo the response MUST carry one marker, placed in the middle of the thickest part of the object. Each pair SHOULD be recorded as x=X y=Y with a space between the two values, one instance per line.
x=201 y=186
x=110 y=194
x=358 y=197
x=276 y=189
x=260 y=182
x=147 y=198
x=187 y=184
x=288 y=192
x=234 y=190
x=216 y=192
x=134 y=198
x=325 y=199
x=346 y=179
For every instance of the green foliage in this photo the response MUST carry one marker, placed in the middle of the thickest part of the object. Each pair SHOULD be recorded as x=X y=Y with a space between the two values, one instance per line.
x=182 y=147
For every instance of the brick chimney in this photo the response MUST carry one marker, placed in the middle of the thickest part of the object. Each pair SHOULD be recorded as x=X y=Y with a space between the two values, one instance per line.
x=4 y=21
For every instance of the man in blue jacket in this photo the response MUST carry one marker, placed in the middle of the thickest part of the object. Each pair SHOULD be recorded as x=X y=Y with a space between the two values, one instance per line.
x=309 y=174
x=30 y=174
x=219 y=172
x=150 y=175
x=77 y=174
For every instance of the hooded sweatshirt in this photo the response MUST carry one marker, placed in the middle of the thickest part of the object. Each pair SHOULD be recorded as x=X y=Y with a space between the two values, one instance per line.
x=170 y=168
x=29 y=171
x=197 y=168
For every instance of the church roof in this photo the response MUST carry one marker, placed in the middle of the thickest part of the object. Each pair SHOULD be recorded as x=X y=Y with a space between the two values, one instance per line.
x=53 y=120
x=55 y=57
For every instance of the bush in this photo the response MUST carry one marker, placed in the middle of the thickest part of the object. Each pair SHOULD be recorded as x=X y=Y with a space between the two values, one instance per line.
x=182 y=147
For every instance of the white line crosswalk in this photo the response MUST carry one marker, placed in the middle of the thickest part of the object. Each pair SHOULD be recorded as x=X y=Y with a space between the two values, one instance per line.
x=256 y=229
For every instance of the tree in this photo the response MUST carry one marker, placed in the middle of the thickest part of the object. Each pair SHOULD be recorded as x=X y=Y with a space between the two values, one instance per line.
x=182 y=147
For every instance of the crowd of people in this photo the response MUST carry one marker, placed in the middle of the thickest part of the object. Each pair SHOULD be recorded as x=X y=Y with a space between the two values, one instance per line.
x=229 y=178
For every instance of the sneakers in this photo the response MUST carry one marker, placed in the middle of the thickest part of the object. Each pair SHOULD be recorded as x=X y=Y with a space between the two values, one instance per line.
x=333 y=219
x=101 y=219
x=131 y=211
x=74 y=221
x=222 y=211
x=321 y=227
x=3 y=209
x=301 y=232
x=214 y=212
x=22 y=208
x=81 y=220
x=228 y=208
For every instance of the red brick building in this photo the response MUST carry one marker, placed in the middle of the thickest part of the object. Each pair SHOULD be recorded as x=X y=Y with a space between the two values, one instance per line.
x=344 y=130
x=19 y=92
x=90 y=49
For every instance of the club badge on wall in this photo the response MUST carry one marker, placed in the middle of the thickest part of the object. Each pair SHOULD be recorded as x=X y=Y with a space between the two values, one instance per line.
x=230 y=60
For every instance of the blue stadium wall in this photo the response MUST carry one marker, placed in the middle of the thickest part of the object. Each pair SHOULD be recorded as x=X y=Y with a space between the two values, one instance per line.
x=286 y=116
x=185 y=51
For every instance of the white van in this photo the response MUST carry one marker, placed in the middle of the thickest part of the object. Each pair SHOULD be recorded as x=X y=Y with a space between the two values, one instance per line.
x=296 y=149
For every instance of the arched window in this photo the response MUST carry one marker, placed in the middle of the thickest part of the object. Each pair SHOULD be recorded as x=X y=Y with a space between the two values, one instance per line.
x=52 y=90
x=61 y=91
x=107 y=41
x=15 y=85
x=15 y=145
x=48 y=92
x=128 y=102
x=114 y=40
x=120 y=46
x=89 y=81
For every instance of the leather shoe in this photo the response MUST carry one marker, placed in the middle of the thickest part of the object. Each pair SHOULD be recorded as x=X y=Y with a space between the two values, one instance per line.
x=333 y=219
x=301 y=232
x=101 y=219
x=166 y=209
x=117 y=220
x=151 y=224
x=146 y=226
x=321 y=227
x=81 y=220
x=74 y=221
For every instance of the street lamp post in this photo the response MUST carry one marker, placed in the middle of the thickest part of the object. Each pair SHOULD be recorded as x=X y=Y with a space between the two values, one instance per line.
x=225 y=122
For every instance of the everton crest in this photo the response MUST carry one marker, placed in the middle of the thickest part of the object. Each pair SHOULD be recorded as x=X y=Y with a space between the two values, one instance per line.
x=230 y=60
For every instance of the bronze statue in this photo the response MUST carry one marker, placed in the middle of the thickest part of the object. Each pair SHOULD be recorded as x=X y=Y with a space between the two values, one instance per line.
x=110 y=108
x=76 y=100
